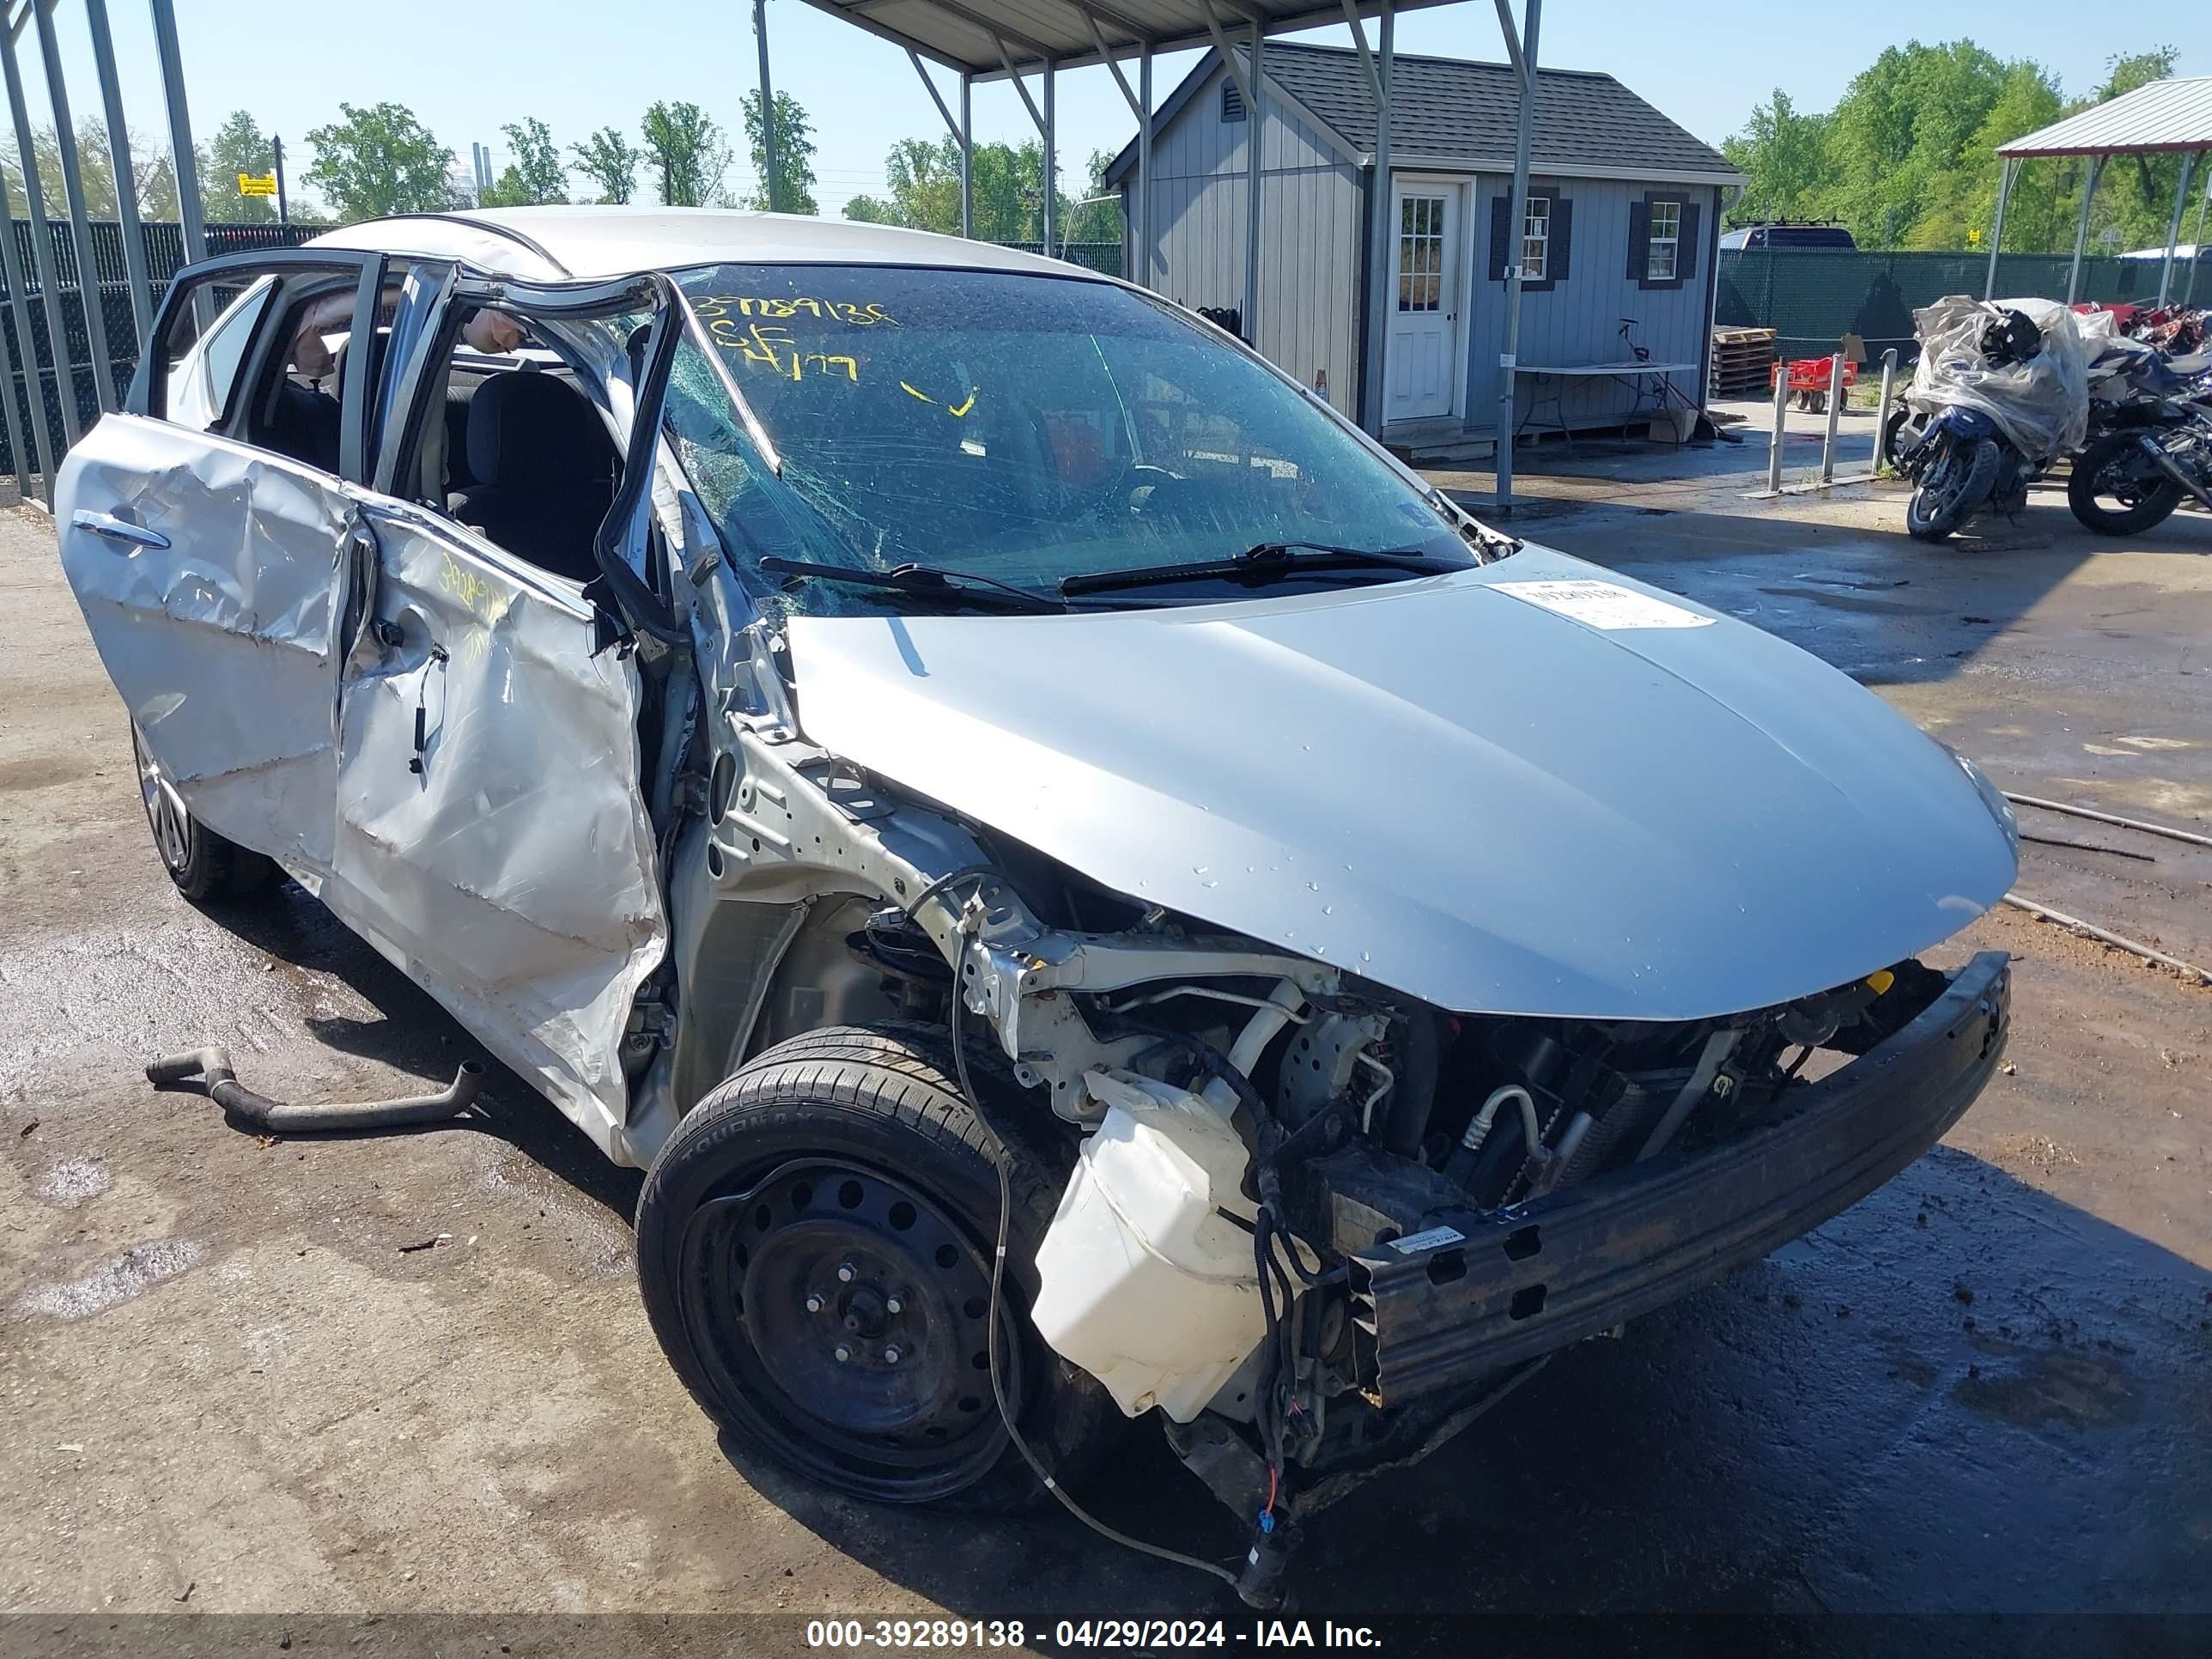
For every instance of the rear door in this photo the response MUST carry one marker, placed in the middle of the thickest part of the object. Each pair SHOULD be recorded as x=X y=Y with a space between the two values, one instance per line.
x=491 y=835
x=212 y=567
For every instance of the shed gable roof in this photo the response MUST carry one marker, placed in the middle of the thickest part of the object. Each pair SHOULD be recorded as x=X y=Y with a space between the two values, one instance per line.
x=1456 y=111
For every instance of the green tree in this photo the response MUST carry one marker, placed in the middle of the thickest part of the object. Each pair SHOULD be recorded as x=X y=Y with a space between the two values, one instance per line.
x=1908 y=156
x=685 y=146
x=2143 y=208
x=924 y=177
x=534 y=177
x=794 y=154
x=237 y=147
x=380 y=160
x=609 y=160
x=1784 y=153
x=154 y=181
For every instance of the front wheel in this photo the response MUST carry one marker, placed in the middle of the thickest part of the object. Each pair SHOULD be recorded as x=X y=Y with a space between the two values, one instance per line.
x=2117 y=490
x=1956 y=482
x=814 y=1247
x=203 y=865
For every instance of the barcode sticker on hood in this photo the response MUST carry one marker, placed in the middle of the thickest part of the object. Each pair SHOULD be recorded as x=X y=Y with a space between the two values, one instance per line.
x=1603 y=604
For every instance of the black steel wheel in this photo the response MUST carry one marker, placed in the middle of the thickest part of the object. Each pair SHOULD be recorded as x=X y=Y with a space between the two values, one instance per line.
x=201 y=863
x=814 y=1249
x=2117 y=490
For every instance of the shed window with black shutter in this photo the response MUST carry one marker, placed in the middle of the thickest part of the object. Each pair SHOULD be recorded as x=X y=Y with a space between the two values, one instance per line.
x=1545 y=244
x=1664 y=232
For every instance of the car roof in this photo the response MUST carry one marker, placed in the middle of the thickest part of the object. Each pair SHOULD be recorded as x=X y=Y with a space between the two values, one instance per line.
x=600 y=241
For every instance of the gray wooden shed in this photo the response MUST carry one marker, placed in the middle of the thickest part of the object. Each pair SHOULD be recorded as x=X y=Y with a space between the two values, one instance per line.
x=1624 y=216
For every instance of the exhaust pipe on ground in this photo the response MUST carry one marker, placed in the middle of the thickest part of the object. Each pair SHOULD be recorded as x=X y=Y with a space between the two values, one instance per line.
x=211 y=1067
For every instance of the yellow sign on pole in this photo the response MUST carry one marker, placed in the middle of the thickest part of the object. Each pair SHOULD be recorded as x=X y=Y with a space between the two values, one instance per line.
x=249 y=185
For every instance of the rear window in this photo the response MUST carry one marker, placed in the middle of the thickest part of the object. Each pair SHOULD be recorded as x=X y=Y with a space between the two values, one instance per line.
x=1806 y=236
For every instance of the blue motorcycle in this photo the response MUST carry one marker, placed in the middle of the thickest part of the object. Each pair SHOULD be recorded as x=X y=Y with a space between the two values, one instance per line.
x=1958 y=463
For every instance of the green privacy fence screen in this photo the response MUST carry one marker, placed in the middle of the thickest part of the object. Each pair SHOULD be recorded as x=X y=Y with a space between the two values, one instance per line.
x=1811 y=297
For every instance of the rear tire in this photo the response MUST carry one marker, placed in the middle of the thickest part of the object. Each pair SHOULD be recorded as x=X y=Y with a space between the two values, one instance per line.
x=1959 y=481
x=2088 y=486
x=837 y=1196
x=204 y=865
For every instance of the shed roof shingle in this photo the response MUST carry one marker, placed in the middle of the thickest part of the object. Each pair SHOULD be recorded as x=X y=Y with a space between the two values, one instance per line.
x=1453 y=110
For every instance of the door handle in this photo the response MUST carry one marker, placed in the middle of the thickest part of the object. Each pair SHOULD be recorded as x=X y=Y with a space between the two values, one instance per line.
x=107 y=524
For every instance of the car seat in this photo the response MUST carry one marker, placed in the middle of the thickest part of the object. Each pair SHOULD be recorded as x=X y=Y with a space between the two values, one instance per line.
x=543 y=470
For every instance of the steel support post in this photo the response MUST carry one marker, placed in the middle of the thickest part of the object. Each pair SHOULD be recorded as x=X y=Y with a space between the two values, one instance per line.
x=2173 y=227
x=2081 y=227
x=967 y=156
x=183 y=158
x=1255 y=132
x=1997 y=227
x=118 y=150
x=1517 y=222
x=42 y=257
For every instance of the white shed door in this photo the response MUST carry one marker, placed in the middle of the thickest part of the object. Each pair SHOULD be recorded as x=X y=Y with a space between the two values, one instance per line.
x=1424 y=362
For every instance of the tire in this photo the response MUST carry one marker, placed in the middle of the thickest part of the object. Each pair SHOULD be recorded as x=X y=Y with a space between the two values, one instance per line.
x=2087 y=482
x=1958 y=481
x=1896 y=436
x=203 y=865
x=850 y=1149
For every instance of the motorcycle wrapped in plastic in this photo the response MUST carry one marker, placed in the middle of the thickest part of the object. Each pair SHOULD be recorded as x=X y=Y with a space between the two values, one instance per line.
x=2000 y=392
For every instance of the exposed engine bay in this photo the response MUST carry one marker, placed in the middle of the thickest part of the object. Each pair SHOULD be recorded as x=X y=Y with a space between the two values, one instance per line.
x=1309 y=1223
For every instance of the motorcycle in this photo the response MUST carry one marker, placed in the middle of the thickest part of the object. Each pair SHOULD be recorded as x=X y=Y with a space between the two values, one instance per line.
x=1998 y=394
x=1955 y=465
x=2134 y=476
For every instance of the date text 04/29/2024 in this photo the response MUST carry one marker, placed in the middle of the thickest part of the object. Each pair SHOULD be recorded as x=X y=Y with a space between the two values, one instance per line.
x=934 y=1635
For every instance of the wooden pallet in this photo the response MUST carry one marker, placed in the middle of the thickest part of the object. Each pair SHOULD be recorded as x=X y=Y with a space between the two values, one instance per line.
x=1742 y=364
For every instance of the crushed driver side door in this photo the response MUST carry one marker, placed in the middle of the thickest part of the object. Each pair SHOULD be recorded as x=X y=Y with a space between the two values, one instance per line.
x=214 y=572
x=491 y=837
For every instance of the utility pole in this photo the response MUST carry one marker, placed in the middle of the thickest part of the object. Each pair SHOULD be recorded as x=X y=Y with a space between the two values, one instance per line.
x=283 y=205
x=768 y=109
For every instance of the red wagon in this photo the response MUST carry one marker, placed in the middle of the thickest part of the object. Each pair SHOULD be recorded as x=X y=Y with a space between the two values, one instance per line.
x=1809 y=378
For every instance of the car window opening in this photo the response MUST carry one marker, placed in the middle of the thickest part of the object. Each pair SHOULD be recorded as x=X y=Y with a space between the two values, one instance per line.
x=519 y=453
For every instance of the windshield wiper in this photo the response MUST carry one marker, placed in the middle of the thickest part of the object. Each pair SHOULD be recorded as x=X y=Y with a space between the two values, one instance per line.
x=1268 y=561
x=928 y=580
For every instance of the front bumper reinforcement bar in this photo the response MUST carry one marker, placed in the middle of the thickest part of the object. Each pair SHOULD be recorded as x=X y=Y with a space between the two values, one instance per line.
x=1481 y=1292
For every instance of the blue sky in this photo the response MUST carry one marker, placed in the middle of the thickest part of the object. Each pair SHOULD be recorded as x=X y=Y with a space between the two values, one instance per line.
x=467 y=66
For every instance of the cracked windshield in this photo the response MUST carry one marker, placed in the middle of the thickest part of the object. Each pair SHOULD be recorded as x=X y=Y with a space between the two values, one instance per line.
x=1021 y=431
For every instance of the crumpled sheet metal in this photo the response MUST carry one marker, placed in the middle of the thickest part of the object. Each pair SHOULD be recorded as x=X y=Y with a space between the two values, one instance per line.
x=514 y=876
x=221 y=645
x=2042 y=404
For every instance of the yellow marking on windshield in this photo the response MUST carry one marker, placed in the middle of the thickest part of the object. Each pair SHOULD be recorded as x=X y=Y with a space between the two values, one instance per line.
x=784 y=308
x=956 y=411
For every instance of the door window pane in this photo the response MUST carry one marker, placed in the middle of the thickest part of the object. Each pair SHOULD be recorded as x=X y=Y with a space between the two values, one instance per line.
x=1420 y=253
x=204 y=347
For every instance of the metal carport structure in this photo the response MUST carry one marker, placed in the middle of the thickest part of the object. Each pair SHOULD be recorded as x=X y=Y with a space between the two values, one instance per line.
x=1019 y=41
x=2165 y=118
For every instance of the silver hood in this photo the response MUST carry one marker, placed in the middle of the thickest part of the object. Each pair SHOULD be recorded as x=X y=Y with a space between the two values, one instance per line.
x=1531 y=789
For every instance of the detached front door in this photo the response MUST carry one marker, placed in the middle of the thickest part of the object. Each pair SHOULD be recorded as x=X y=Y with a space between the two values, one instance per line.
x=1422 y=371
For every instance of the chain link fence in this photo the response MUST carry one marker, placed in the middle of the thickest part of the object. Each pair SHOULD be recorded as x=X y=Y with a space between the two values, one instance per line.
x=1812 y=297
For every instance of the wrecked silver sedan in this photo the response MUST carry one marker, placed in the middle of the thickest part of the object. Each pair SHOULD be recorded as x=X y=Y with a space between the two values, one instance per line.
x=1093 y=891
